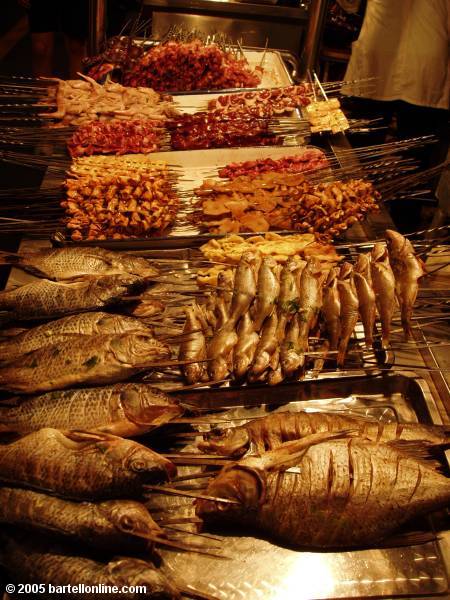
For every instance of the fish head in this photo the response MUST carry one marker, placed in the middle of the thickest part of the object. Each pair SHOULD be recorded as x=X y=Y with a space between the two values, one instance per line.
x=233 y=441
x=137 y=265
x=131 y=518
x=138 y=349
x=379 y=252
x=397 y=243
x=148 y=406
x=346 y=271
x=363 y=264
x=133 y=572
x=110 y=323
x=140 y=460
x=243 y=486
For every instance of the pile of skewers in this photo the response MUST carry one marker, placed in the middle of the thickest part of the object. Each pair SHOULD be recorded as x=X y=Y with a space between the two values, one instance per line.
x=258 y=325
x=117 y=198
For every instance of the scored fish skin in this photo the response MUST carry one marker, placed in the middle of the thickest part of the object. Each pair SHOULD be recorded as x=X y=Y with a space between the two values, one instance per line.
x=193 y=347
x=76 y=262
x=366 y=296
x=246 y=346
x=349 y=309
x=82 y=465
x=269 y=432
x=45 y=299
x=344 y=493
x=96 y=359
x=28 y=560
x=331 y=308
x=244 y=289
x=384 y=287
x=64 y=329
x=123 y=409
x=101 y=525
x=407 y=269
x=268 y=289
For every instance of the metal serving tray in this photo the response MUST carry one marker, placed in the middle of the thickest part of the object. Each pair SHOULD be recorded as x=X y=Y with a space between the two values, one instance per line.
x=260 y=570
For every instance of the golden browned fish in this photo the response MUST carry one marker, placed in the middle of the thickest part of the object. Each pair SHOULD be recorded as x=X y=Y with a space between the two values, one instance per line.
x=309 y=303
x=271 y=431
x=45 y=299
x=384 y=286
x=349 y=309
x=193 y=347
x=28 y=560
x=291 y=352
x=67 y=329
x=125 y=409
x=347 y=492
x=267 y=345
x=408 y=269
x=96 y=359
x=246 y=346
x=244 y=289
x=77 y=262
x=366 y=296
x=267 y=292
x=81 y=465
x=331 y=308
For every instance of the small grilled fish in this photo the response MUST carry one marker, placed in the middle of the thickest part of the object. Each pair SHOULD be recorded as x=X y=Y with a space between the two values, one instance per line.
x=81 y=465
x=124 y=409
x=225 y=282
x=66 y=329
x=347 y=492
x=220 y=349
x=77 y=262
x=267 y=292
x=244 y=289
x=193 y=347
x=309 y=303
x=269 y=432
x=246 y=346
x=267 y=345
x=384 y=286
x=45 y=299
x=29 y=560
x=349 y=309
x=96 y=359
x=124 y=525
x=407 y=269
x=291 y=357
x=366 y=296
x=331 y=308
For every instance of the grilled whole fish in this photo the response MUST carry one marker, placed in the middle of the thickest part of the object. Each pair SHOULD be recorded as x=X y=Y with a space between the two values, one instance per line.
x=45 y=299
x=244 y=289
x=71 y=263
x=124 y=409
x=345 y=493
x=266 y=347
x=291 y=357
x=124 y=525
x=66 y=329
x=269 y=432
x=30 y=561
x=96 y=359
x=81 y=465
x=366 y=296
x=407 y=269
x=220 y=350
x=349 y=309
x=246 y=346
x=309 y=303
x=331 y=308
x=268 y=289
x=384 y=286
x=193 y=347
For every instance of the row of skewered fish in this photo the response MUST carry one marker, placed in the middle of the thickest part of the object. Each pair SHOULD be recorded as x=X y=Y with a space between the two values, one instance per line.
x=258 y=326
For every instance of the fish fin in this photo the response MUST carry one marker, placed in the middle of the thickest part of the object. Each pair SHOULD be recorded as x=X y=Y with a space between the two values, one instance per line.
x=11 y=401
x=83 y=435
x=409 y=538
x=288 y=454
x=422 y=451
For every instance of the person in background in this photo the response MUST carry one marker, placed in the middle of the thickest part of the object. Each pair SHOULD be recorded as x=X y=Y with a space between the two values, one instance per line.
x=46 y=17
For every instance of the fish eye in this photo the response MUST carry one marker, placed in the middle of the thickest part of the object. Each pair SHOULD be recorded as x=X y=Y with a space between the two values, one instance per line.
x=138 y=465
x=126 y=523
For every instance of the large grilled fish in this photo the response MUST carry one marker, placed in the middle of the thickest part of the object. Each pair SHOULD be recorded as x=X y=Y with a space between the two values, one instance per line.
x=45 y=299
x=81 y=465
x=346 y=492
x=366 y=296
x=268 y=433
x=408 y=269
x=71 y=263
x=125 y=409
x=111 y=525
x=66 y=329
x=96 y=359
x=384 y=286
x=34 y=561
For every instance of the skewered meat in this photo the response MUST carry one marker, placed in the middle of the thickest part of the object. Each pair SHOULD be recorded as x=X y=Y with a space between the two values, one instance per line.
x=273 y=101
x=326 y=115
x=116 y=137
x=269 y=432
x=345 y=493
x=186 y=66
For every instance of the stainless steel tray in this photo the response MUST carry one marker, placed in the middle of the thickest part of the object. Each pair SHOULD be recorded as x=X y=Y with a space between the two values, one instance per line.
x=260 y=570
